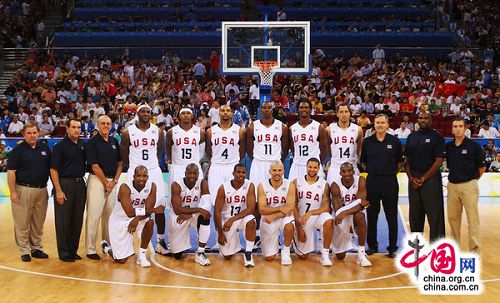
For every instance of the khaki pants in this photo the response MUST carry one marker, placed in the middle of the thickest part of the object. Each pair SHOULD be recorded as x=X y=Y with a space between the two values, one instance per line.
x=29 y=215
x=464 y=196
x=99 y=208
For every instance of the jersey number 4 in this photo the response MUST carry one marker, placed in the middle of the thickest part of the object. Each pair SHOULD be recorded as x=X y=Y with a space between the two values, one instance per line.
x=225 y=154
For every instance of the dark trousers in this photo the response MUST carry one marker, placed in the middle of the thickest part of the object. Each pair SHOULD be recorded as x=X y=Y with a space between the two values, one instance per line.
x=427 y=200
x=69 y=216
x=385 y=188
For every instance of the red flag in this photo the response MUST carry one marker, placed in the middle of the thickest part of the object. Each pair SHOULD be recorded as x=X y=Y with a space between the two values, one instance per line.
x=447 y=89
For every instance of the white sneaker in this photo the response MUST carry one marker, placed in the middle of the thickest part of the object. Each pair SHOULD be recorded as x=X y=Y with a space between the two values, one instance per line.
x=162 y=249
x=363 y=260
x=201 y=259
x=285 y=257
x=248 y=258
x=142 y=260
x=325 y=260
x=105 y=247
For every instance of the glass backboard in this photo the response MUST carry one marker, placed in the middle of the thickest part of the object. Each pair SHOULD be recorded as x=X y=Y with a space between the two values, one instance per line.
x=244 y=43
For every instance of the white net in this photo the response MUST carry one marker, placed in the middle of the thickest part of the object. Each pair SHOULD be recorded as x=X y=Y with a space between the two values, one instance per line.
x=266 y=72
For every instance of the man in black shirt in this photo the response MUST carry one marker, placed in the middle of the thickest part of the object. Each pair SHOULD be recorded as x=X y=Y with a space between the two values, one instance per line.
x=424 y=155
x=27 y=175
x=466 y=165
x=103 y=157
x=67 y=169
x=382 y=158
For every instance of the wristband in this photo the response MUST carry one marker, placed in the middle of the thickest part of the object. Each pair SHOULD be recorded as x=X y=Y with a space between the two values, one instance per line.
x=140 y=211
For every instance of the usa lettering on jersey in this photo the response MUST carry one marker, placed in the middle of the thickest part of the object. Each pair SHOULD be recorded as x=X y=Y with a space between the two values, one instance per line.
x=186 y=141
x=144 y=142
x=304 y=138
x=309 y=195
x=344 y=139
x=268 y=138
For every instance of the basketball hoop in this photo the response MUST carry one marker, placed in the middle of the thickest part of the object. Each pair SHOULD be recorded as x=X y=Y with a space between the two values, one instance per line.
x=266 y=71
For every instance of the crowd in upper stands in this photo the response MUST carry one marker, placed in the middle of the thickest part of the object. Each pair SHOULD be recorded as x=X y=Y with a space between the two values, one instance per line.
x=20 y=22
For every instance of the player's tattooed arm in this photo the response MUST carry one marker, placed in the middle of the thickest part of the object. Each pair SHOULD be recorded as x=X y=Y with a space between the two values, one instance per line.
x=336 y=199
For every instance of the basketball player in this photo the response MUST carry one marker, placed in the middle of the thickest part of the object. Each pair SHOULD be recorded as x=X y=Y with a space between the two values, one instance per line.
x=190 y=208
x=142 y=144
x=234 y=209
x=276 y=198
x=312 y=212
x=225 y=147
x=183 y=147
x=349 y=203
x=267 y=141
x=309 y=140
x=131 y=213
x=345 y=140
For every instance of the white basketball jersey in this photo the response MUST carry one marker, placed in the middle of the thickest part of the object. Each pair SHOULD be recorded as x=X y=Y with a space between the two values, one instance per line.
x=310 y=196
x=185 y=145
x=138 y=199
x=347 y=195
x=225 y=145
x=267 y=141
x=276 y=197
x=344 y=145
x=143 y=146
x=190 y=197
x=305 y=142
x=236 y=199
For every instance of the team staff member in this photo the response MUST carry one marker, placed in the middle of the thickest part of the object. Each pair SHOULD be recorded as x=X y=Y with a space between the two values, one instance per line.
x=466 y=165
x=27 y=175
x=67 y=169
x=424 y=155
x=103 y=157
x=382 y=158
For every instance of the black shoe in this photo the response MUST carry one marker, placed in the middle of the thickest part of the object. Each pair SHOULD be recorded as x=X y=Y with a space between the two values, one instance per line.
x=94 y=257
x=39 y=254
x=26 y=258
x=77 y=257
x=67 y=259
x=392 y=254
x=371 y=251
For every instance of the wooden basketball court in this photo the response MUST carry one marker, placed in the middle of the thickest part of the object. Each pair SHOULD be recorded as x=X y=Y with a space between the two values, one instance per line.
x=168 y=280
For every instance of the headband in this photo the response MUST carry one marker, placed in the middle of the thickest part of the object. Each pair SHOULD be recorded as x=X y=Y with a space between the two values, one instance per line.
x=185 y=109
x=143 y=106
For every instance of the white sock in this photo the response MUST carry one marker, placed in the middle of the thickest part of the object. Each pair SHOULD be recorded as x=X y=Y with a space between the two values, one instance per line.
x=204 y=233
x=142 y=250
x=361 y=249
x=161 y=237
x=286 y=248
x=248 y=246
x=257 y=233
x=201 y=249
x=325 y=251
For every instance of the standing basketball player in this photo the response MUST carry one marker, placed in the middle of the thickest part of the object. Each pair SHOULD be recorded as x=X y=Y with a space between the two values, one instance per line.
x=267 y=141
x=276 y=197
x=183 y=148
x=312 y=212
x=142 y=144
x=225 y=147
x=345 y=140
x=309 y=140
x=234 y=209
x=131 y=213
x=349 y=203
x=190 y=208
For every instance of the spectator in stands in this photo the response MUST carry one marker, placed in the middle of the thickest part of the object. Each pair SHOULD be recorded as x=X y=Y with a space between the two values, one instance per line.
x=378 y=56
x=87 y=127
x=394 y=105
x=403 y=131
x=363 y=120
x=495 y=165
x=4 y=155
x=46 y=127
x=214 y=65
x=489 y=153
x=329 y=106
x=231 y=86
x=487 y=131
x=281 y=15
x=199 y=71
x=15 y=127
